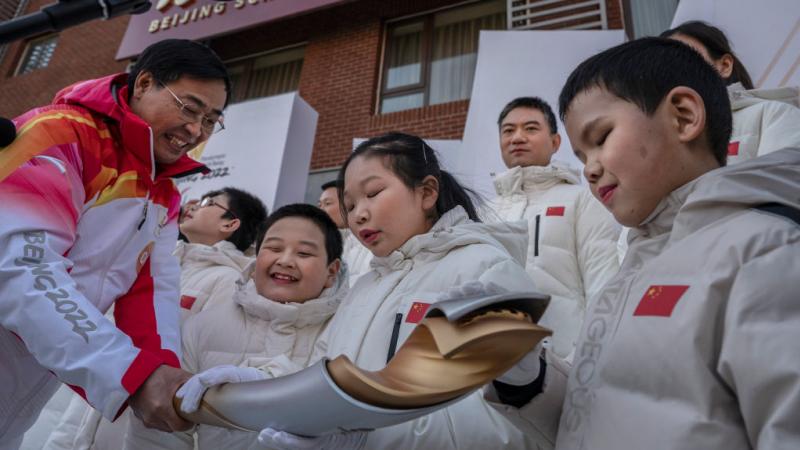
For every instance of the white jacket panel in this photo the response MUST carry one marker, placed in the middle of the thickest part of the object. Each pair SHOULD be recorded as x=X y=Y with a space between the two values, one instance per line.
x=764 y=120
x=355 y=255
x=572 y=241
x=455 y=251
x=208 y=274
x=250 y=331
x=694 y=343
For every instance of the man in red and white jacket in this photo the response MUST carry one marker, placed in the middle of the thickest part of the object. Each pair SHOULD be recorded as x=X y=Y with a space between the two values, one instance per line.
x=89 y=219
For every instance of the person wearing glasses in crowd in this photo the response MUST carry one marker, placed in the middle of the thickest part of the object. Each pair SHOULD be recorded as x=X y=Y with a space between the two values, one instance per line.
x=90 y=221
x=218 y=229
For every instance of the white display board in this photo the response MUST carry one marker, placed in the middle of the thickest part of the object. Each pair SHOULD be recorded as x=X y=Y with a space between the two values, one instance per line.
x=265 y=150
x=515 y=64
x=765 y=35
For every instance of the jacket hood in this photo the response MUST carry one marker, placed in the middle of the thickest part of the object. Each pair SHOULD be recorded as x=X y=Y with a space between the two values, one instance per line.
x=107 y=97
x=742 y=98
x=525 y=179
x=773 y=178
x=310 y=312
x=455 y=229
x=223 y=253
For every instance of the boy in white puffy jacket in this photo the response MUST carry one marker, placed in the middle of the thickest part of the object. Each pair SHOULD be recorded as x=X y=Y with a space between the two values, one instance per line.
x=270 y=327
x=693 y=344
x=571 y=238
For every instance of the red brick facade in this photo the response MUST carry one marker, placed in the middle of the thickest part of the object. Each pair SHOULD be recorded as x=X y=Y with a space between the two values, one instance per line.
x=339 y=77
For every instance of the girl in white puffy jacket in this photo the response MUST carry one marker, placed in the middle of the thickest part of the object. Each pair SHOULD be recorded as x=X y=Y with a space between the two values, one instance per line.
x=422 y=228
x=270 y=327
x=764 y=120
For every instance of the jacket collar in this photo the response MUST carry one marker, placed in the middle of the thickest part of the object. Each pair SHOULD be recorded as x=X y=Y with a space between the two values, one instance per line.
x=455 y=229
x=518 y=180
x=741 y=98
x=223 y=253
x=311 y=312
x=107 y=97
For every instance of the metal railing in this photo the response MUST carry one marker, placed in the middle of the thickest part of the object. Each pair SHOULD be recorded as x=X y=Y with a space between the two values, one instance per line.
x=556 y=14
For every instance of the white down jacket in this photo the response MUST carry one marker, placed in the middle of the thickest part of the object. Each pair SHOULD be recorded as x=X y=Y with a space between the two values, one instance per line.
x=250 y=331
x=455 y=251
x=208 y=274
x=572 y=241
x=764 y=120
x=694 y=343
x=355 y=255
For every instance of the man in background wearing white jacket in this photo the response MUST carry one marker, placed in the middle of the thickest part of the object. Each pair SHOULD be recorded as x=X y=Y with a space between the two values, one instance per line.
x=572 y=238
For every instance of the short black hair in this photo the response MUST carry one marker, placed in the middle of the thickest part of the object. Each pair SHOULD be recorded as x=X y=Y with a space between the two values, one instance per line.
x=330 y=184
x=644 y=71
x=250 y=211
x=170 y=59
x=532 y=103
x=333 y=237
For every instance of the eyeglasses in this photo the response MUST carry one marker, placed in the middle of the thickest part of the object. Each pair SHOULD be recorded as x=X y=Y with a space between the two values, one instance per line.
x=208 y=201
x=192 y=115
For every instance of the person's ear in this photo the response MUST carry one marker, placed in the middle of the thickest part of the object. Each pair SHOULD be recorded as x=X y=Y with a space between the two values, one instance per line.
x=687 y=113
x=230 y=226
x=333 y=269
x=555 y=139
x=724 y=66
x=144 y=82
x=429 y=189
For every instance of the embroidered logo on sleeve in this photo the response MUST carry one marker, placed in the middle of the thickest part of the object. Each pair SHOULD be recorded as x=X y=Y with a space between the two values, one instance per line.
x=660 y=300
x=733 y=148
x=187 y=301
x=554 y=211
x=417 y=312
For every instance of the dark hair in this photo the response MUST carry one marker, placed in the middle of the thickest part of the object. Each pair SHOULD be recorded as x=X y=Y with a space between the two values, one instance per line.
x=532 y=103
x=250 y=211
x=333 y=237
x=330 y=184
x=412 y=159
x=170 y=59
x=717 y=46
x=643 y=72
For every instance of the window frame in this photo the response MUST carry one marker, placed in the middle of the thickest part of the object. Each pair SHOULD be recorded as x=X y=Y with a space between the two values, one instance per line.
x=26 y=52
x=249 y=62
x=424 y=85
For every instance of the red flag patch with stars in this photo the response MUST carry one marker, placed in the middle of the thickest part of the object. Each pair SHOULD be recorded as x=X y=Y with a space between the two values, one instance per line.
x=554 y=211
x=417 y=312
x=660 y=300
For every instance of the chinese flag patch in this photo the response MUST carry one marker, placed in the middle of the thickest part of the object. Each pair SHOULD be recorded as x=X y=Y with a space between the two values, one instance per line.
x=660 y=300
x=417 y=312
x=733 y=148
x=187 y=301
x=554 y=211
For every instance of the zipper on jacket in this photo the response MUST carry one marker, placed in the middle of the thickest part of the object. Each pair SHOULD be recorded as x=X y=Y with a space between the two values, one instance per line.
x=536 y=237
x=398 y=319
x=144 y=212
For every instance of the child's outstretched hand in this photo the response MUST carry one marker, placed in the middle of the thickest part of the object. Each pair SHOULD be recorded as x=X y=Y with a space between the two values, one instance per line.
x=192 y=391
x=281 y=440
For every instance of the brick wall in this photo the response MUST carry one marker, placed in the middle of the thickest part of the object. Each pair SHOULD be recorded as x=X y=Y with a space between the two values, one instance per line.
x=339 y=77
x=83 y=52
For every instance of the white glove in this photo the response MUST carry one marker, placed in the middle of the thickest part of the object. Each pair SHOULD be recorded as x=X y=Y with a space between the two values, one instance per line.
x=281 y=440
x=526 y=370
x=192 y=391
x=471 y=289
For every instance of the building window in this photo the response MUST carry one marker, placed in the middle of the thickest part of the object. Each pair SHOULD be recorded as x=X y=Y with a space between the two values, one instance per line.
x=37 y=54
x=266 y=75
x=431 y=59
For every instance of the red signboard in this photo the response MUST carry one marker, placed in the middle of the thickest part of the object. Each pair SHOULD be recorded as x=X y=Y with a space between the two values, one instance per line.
x=200 y=19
